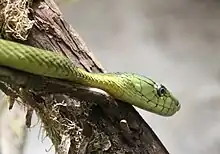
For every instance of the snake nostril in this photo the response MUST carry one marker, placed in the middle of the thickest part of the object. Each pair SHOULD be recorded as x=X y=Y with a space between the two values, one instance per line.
x=178 y=104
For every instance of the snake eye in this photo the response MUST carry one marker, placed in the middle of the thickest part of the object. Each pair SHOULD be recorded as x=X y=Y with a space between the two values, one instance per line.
x=161 y=90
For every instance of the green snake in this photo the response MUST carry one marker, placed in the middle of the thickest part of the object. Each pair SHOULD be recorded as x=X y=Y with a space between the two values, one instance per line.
x=131 y=88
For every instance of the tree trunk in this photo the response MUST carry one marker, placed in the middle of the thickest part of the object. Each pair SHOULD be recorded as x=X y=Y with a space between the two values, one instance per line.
x=76 y=118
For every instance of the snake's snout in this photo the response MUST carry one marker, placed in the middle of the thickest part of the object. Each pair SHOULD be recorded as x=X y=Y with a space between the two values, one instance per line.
x=175 y=107
x=178 y=105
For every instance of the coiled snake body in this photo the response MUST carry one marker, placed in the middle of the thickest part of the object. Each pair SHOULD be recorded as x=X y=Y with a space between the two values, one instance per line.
x=135 y=89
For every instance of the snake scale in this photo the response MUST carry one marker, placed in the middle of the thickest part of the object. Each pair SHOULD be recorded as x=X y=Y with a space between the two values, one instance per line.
x=131 y=88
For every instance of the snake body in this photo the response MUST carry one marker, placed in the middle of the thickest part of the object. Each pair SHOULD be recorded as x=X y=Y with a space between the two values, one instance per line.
x=131 y=88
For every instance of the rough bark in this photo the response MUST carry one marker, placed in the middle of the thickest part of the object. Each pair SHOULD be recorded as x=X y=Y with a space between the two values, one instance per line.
x=77 y=119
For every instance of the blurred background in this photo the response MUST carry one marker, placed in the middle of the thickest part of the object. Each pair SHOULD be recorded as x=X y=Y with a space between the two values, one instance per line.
x=175 y=42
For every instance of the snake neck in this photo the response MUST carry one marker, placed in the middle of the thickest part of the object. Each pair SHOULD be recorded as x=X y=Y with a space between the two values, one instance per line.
x=102 y=81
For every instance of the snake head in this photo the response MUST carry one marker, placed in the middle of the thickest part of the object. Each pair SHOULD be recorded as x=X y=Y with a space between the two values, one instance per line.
x=149 y=95
x=167 y=103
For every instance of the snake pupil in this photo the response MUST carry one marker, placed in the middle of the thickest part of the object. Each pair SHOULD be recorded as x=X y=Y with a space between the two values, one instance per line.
x=161 y=90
